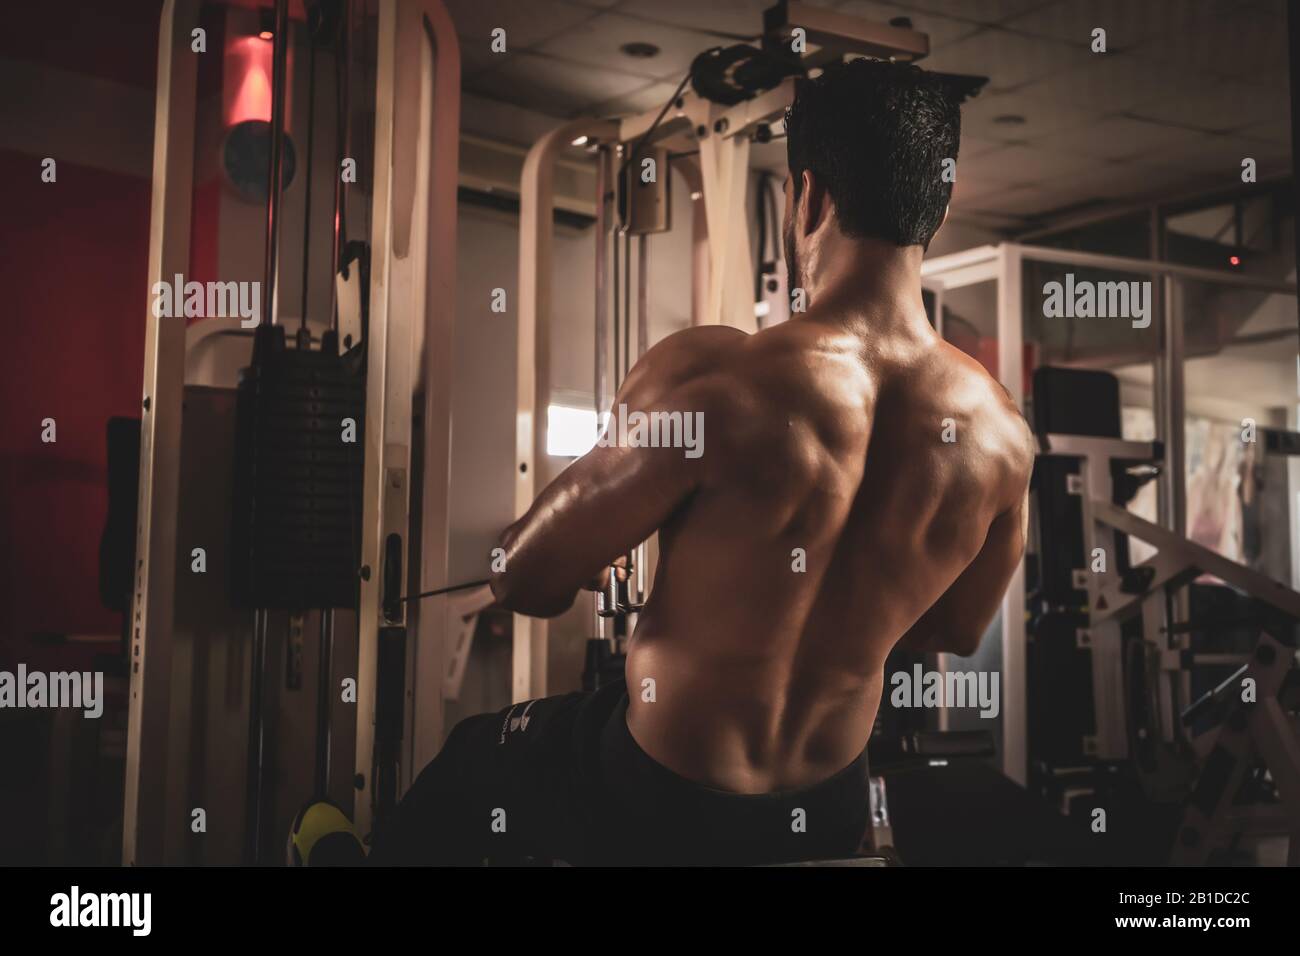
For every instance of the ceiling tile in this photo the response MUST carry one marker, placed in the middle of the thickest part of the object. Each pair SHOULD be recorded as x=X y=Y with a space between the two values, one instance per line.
x=597 y=42
x=1275 y=79
x=941 y=30
x=551 y=85
x=1242 y=43
x=1024 y=164
x=1114 y=82
x=1128 y=180
x=1034 y=200
x=736 y=18
x=1276 y=131
x=1229 y=105
x=1013 y=203
x=476 y=57
x=985 y=115
x=525 y=23
x=1008 y=59
x=975 y=11
x=649 y=96
x=1121 y=137
x=967 y=191
x=972 y=146
x=1126 y=22
x=988 y=221
x=1210 y=154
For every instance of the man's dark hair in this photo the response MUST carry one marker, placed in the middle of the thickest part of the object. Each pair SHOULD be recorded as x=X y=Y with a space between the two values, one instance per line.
x=876 y=135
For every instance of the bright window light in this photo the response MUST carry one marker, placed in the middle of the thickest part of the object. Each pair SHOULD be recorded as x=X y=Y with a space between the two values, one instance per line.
x=570 y=432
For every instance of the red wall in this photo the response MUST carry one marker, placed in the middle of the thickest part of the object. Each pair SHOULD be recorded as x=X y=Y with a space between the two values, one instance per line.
x=73 y=260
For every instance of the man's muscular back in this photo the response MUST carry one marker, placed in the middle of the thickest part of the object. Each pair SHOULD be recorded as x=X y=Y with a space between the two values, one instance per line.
x=827 y=517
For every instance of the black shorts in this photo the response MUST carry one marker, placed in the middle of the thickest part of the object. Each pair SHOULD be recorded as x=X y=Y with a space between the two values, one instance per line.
x=561 y=779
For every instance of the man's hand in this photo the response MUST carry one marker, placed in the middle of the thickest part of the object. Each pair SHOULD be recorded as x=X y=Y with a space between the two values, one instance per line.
x=601 y=580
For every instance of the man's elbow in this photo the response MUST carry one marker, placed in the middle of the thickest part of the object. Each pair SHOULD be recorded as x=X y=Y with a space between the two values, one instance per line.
x=518 y=589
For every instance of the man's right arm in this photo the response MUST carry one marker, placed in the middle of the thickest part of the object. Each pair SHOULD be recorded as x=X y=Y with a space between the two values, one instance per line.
x=955 y=623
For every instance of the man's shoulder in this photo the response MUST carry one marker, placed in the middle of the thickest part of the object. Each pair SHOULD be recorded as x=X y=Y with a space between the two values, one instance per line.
x=973 y=393
x=697 y=338
x=684 y=366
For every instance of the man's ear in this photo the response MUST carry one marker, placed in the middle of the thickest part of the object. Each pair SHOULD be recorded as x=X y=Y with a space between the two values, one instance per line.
x=817 y=206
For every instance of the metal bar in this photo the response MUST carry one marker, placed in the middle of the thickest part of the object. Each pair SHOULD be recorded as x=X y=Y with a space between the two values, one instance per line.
x=1252 y=338
x=642 y=304
x=842 y=33
x=625 y=319
x=257 y=659
x=307 y=171
x=1175 y=407
x=342 y=104
x=724 y=171
x=279 y=62
x=144 y=831
x=604 y=158
x=376 y=411
x=1179 y=201
x=601 y=380
x=1123 y=264
x=739 y=121
x=532 y=379
x=1176 y=547
x=733 y=273
x=1015 y=741
x=435 y=622
x=1085 y=445
x=1160 y=365
x=253 y=780
x=1293 y=23
x=935 y=268
x=968 y=275
x=324 y=700
x=689 y=168
x=641 y=570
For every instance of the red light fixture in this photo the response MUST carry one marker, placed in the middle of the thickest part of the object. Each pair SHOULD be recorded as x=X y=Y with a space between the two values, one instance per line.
x=1234 y=260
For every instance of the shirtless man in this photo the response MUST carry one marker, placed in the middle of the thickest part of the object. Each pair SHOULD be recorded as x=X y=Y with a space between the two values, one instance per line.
x=754 y=674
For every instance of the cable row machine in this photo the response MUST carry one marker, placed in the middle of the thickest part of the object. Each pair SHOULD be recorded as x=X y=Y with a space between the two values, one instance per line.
x=307 y=493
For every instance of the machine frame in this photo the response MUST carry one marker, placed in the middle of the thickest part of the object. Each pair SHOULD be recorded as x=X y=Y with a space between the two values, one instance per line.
x=412 y=303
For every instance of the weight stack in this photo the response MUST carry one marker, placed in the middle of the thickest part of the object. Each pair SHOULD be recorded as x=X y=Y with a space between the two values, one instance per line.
x=296 y=527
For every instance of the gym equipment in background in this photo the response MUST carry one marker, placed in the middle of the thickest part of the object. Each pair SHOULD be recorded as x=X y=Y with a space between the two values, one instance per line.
x=1118 y=650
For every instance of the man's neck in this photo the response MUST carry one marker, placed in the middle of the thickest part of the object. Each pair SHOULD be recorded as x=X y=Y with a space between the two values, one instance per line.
x=866 y=282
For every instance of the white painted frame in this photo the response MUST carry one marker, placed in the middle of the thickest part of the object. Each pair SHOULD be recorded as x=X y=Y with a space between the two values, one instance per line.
x=144 y=839
x=412 y=312
x=1004 y=263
